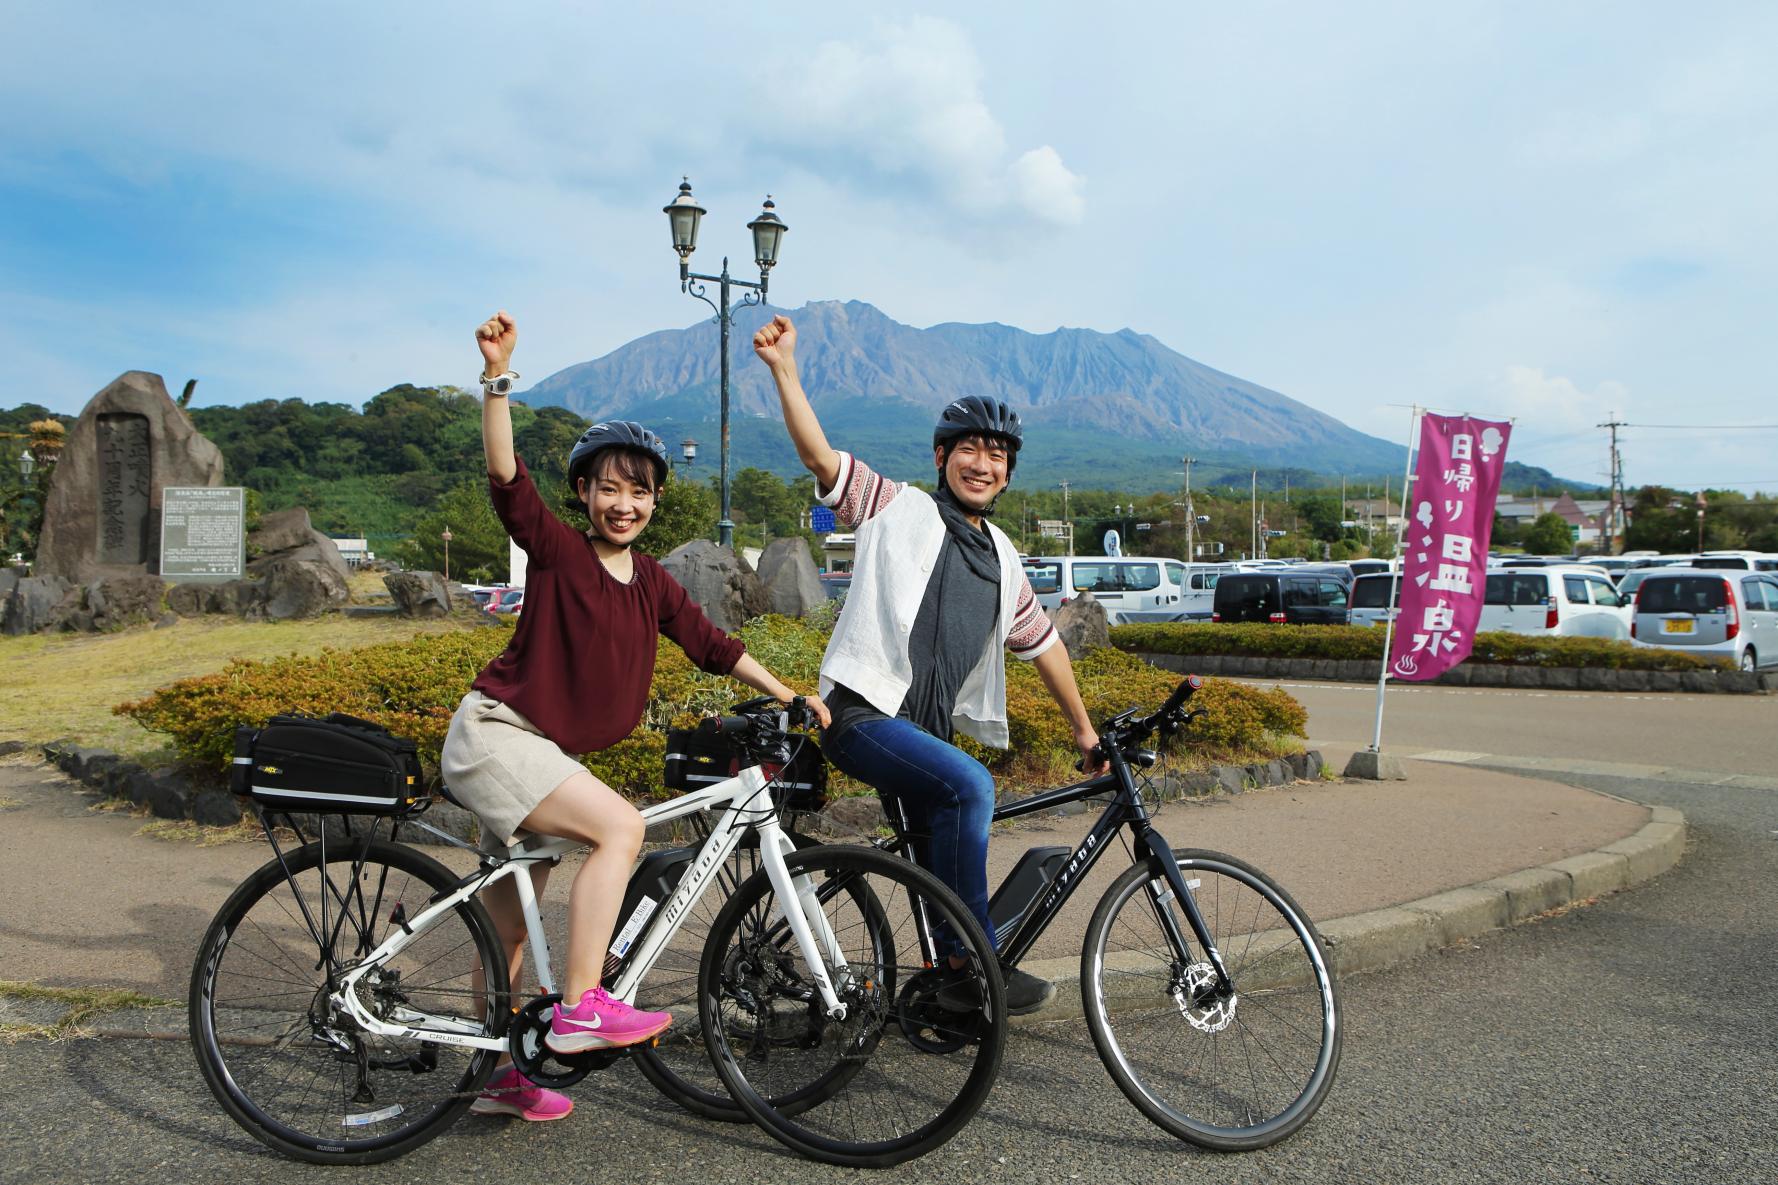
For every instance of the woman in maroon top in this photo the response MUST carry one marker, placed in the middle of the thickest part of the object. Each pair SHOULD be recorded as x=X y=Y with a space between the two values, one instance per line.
x=574 y=679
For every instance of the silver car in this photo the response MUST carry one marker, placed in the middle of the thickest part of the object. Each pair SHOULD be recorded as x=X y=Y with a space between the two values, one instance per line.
x=1722 y=613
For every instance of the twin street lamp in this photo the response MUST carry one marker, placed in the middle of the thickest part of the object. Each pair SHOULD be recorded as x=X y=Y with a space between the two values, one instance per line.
x=683 y=214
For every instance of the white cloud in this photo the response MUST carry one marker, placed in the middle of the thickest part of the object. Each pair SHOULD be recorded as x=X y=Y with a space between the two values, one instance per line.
x=905 y=107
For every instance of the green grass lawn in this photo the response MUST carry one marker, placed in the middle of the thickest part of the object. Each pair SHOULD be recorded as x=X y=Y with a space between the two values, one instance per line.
x=65 y=685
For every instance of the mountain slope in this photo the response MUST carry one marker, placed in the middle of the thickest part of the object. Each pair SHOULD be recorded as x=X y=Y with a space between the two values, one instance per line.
x=1110 y=393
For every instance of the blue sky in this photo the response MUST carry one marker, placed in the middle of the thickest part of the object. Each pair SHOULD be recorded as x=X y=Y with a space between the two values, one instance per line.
x=1551 y=212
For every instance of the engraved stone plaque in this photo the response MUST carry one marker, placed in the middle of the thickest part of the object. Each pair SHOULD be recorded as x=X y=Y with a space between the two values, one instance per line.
x=125 y=478
x=203 y=533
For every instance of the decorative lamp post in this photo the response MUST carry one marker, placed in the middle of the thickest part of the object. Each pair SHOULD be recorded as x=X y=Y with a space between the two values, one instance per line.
x=27 y=466
x=683 y=214
x=446 y=536
x=689 y=448
x=1702 y=502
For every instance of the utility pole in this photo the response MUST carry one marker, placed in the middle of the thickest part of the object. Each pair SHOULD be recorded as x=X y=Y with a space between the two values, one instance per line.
x=1253 y=515
x=1614 y=513
x=1191 y=518
x=1067 y=523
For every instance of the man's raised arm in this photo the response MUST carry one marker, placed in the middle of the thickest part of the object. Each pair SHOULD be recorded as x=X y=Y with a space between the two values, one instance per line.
x=775 y=344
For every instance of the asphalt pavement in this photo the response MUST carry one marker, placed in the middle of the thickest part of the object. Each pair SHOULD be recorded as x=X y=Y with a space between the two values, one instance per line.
x=1629 y=1040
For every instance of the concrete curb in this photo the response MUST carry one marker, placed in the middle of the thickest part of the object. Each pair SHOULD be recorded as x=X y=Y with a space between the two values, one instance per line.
x=1382 y=938
x=1470 y=674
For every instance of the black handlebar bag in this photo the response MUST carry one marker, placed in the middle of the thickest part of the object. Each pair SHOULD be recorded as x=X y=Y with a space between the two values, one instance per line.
x=697 y=759
x=339 y=765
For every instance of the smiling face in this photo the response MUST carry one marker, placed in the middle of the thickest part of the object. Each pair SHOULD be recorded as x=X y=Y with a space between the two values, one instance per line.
x=620 y=497
x=975 y=470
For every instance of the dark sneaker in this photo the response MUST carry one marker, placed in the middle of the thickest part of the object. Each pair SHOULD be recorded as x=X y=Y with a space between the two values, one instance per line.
x=1025 y=993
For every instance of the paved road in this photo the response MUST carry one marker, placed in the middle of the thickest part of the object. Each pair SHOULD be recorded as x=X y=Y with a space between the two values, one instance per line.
x=1630 y=1041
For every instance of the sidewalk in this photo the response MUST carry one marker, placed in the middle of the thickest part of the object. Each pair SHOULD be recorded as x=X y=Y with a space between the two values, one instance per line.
x=1387 y=869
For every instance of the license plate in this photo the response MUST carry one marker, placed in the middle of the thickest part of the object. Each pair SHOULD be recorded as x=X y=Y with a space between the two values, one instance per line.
x=1676 y=627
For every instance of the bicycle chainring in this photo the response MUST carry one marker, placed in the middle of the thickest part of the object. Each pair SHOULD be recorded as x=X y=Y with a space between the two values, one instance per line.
x=540 y=1063
x=928 y=1025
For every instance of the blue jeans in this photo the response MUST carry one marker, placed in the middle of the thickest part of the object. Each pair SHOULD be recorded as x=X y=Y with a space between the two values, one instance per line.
x=948 y=796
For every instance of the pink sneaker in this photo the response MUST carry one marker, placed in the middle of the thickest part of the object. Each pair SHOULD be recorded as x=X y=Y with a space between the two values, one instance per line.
x=600 y=1021
x=511 y=1093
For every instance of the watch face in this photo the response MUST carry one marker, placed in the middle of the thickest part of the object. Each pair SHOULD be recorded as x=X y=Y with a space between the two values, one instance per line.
x=500 y=386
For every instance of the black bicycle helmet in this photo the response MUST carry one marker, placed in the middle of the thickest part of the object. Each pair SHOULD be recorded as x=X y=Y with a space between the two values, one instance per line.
x=618 y=434
x=977 y=415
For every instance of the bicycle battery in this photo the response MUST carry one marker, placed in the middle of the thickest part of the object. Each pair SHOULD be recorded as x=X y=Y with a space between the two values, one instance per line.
x=339 y=765
x=1022 y=886
x=651 y=884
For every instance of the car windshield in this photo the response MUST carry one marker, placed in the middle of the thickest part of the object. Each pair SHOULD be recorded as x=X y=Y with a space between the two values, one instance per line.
x=1724 y=561
x=1370 y=592
x=1682 y=594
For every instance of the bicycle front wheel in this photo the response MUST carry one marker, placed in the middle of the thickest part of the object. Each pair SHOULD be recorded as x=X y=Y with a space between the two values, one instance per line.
x=678 y=1062
x=907 y=1064
x=1227 y=1071
x=295 y=1070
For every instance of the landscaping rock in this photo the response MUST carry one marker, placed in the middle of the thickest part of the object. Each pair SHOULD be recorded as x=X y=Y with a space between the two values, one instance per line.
x=1380 y=767
x=8 y=748
x=33 y=603
x=299 y=586
x=1313 y=764
x=137 y=785
x=1277 y=773
x=1232 y=779
x=1699 y=682
x=1082 y=625
x=419 y=594
x=788 y=573
x=858 y=815
x=1200 y=783
x=720 y=581
x=215 y=808
x=1664 y=681
x=170 y=795
x=117 y=601
x=1596 y=679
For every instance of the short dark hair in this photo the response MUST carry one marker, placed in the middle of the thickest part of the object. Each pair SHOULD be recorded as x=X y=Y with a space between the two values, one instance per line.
x=634 y=465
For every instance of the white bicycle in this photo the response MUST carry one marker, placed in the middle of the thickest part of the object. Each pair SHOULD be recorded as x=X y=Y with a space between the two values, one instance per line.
x=349 y=1001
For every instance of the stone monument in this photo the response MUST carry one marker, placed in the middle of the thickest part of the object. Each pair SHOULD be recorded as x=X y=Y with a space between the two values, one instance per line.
x=103 y=515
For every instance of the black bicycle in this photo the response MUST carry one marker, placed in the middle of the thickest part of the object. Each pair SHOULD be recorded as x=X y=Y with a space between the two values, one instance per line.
x=1206 y=987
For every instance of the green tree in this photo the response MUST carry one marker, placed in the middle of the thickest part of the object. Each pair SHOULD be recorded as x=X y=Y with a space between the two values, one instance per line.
x=478 y=541
x=688 y=510
x=1549 y=535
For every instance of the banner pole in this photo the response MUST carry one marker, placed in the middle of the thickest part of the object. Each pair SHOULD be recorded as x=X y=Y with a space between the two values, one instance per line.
x=1401 y=542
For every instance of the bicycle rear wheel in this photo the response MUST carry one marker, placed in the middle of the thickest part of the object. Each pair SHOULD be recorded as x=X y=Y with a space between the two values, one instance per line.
x=1230 y=1073
x=678 y=1063
x=299 y=1074
x=899 y=1074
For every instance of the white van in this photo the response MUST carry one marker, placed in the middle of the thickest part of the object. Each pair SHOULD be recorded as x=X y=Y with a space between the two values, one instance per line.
x=1132 y=588
x=1569 y=600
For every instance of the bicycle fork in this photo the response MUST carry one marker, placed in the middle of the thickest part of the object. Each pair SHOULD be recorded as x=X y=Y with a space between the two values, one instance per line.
x=1151 y=846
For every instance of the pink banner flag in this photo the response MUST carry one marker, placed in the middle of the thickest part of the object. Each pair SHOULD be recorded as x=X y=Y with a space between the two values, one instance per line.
x=1445 y=543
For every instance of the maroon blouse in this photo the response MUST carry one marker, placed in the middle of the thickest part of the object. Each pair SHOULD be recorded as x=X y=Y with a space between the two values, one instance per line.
x=580 y=663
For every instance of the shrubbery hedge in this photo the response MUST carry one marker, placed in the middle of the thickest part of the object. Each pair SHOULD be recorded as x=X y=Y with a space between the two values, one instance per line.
x=412 y=688
x=1257 y=640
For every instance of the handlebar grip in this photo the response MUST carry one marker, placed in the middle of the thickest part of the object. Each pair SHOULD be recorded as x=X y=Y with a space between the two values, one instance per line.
x=1189 y=685
x=725 y=725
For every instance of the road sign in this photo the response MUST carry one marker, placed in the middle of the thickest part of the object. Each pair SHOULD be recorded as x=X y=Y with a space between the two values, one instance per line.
x=1051 y=528
x=821 y=520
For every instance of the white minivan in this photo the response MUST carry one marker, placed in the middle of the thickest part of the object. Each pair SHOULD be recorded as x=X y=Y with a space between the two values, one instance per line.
x=1132 y=588
x=1568 y=600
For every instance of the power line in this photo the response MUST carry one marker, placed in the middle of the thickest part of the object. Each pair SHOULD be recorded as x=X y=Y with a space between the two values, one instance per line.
x=1706 y=427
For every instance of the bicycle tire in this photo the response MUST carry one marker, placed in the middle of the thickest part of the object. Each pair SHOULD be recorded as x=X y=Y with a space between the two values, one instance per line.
x=678 y=1063
x=1228 y=1075
x=287 y=1070
x=856 y=1091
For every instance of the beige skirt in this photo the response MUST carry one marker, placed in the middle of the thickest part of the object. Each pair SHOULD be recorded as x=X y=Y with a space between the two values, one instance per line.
x=500 y=766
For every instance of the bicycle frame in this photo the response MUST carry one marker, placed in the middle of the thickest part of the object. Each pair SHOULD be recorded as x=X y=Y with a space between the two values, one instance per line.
x=1126 y=809
x=748 y=799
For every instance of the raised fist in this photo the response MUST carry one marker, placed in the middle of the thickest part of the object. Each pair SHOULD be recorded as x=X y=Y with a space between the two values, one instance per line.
x=775 y=343
x=496 y=336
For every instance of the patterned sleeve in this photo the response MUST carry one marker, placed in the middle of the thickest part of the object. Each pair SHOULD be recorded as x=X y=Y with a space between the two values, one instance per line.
x=1031 y=633
x=860 y=492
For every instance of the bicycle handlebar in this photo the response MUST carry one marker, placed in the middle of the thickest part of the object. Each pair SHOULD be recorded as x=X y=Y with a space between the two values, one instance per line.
x=1124 y=730
x=762 y=721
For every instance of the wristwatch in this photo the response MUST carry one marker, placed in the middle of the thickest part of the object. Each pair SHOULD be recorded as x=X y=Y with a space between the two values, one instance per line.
x=500 y=384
